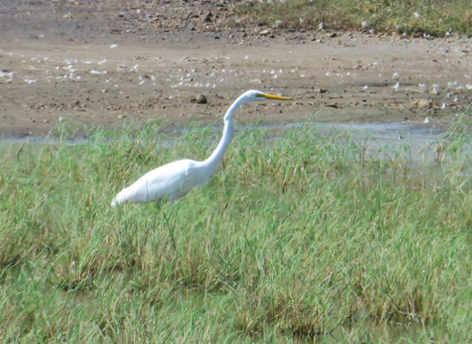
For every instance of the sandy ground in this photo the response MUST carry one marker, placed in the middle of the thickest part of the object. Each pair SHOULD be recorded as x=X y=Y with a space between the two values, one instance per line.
x=106 y=63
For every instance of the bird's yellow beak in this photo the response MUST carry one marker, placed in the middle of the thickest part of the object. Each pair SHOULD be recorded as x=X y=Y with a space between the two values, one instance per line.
x=271 y=96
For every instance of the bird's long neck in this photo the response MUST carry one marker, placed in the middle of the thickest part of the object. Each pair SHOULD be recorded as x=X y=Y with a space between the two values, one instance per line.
x=213 y=161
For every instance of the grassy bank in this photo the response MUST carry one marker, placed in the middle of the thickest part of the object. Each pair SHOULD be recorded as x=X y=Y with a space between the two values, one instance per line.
x=433 y=17
x=299 y=238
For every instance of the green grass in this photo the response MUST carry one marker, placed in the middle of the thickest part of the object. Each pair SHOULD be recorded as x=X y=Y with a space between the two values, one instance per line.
x=434 y=17
x=296 y=239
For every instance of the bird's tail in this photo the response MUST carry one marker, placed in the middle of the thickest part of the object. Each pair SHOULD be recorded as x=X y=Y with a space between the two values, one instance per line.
x=118 y=199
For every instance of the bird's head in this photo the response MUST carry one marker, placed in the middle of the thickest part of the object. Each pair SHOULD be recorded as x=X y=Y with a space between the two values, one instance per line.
x=249 y=96
x=258 y=95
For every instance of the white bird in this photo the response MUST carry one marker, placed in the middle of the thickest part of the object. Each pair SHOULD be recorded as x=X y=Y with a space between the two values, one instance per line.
x=176 y=179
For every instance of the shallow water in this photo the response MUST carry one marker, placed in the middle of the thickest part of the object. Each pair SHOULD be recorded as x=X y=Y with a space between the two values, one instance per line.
x=369 y=332
x=416 y=139
x=385 y=131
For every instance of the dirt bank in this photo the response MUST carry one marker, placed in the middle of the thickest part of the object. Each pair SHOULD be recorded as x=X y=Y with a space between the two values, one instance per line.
x=107 y=63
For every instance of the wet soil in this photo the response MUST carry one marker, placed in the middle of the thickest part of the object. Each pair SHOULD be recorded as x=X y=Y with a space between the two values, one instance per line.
x=109 y=62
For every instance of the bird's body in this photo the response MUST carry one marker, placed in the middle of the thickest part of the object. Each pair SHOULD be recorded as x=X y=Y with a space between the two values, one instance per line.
x=176 y=179
x=170 y=182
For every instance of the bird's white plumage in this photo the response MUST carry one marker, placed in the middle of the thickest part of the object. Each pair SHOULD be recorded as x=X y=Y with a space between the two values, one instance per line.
x=170 y=182
x=176 y=179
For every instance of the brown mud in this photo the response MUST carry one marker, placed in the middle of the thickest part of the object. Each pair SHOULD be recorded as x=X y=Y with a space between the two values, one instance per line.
x=111 y=62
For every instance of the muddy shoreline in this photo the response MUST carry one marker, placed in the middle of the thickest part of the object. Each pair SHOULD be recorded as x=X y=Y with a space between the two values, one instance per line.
x=100 y=66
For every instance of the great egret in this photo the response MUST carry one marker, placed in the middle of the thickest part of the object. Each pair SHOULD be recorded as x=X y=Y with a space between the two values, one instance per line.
x=176 y=179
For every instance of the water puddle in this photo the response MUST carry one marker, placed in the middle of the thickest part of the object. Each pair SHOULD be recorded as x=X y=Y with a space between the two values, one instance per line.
x=369 y=332
x=41 y=140
x=415 y=139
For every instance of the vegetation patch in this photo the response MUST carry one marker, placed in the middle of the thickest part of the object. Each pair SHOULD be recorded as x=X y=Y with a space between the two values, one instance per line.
x=430 y=17
x=304 y=236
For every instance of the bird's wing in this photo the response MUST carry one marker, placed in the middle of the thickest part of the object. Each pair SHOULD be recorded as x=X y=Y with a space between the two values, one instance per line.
x=171 y=180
